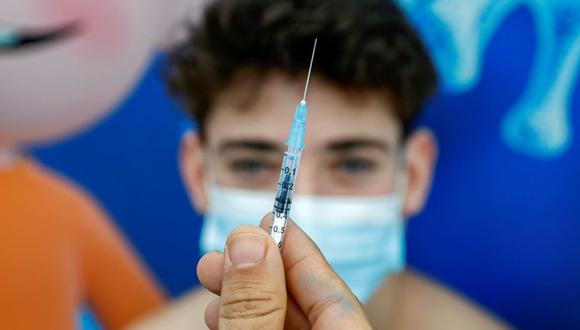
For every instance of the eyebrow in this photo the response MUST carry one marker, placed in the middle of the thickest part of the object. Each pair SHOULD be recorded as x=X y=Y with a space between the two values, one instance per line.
x=269 y=147
x=251 y=145
x=357 y=143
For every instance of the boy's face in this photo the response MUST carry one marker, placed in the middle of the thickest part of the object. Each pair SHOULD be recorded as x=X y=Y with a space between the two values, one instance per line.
x=353 y=143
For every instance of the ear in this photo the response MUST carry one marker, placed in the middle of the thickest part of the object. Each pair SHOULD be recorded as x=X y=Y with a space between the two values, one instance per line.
x=191 y=166
x=421 y=152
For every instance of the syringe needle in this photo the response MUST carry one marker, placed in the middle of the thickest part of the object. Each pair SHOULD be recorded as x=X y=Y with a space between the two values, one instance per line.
x=309 y=70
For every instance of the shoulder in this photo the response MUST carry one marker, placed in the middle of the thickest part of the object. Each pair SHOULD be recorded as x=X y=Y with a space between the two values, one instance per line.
x=50 y=186
x=185 y=313
x=37 y=195
x=421 y=303
x=441 y=308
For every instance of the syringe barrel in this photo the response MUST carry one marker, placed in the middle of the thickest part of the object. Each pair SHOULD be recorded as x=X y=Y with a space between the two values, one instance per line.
x=288 y=174
x=296 y=136
x=284 y=194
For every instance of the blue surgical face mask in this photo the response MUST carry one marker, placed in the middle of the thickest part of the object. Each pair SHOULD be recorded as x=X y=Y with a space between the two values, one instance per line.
x=361 y=237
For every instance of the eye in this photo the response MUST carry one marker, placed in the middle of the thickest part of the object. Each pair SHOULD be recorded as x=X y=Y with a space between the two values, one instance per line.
x=355 y=166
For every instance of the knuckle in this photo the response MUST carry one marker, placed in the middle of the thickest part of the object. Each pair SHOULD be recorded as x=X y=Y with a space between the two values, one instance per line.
x=251 y=303
x=339 y=305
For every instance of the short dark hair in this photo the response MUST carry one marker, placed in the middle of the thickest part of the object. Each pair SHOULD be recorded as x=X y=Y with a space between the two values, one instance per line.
x=363 y=45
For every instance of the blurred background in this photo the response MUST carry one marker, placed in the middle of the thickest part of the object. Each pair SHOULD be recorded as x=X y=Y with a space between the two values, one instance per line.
x=503 y=222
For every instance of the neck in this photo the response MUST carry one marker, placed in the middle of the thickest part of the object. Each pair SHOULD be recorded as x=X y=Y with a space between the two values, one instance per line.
x=8 y=157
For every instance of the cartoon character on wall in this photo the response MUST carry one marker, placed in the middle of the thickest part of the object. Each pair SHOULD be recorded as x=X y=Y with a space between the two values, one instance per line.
x=459 y=32
x=64 y=64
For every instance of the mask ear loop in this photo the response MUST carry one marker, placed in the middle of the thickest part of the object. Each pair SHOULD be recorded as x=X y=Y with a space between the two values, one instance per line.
x=210 y=180
x=401 y=178
x=400 y=188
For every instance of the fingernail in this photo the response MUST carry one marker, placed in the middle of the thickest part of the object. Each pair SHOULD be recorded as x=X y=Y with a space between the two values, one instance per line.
x=246 y=250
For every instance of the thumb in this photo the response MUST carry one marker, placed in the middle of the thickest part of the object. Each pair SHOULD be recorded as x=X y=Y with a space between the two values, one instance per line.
x=253 y=294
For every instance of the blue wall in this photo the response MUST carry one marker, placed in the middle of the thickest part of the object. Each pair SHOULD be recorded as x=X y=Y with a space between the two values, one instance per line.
x=503 y=223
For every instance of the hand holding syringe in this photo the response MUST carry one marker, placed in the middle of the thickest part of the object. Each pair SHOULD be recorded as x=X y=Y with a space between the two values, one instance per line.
x=290 y=165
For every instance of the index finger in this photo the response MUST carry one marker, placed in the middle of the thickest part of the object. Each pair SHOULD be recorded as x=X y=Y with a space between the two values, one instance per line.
x=319 y=292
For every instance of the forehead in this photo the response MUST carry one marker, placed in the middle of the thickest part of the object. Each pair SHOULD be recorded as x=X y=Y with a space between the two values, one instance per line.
x=264 y=111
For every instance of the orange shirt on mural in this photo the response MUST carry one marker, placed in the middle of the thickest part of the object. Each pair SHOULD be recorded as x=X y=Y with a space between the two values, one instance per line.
x=58 y=252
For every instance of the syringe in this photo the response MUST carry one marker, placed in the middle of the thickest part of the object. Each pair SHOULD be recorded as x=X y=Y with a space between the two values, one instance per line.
x=290 y=165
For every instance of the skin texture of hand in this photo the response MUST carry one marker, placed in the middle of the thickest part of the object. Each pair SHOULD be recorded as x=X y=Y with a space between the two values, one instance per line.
x=261 y=287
